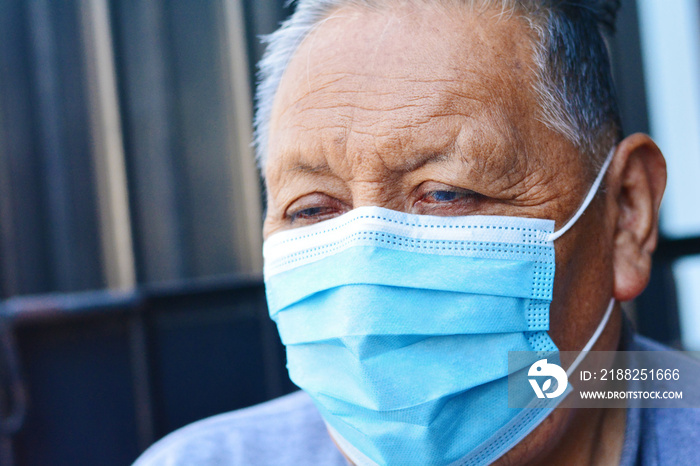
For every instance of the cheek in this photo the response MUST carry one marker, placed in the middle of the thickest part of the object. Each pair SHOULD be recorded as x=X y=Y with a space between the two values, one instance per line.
x=274 y=217
x=583 y=283
x=269 y=227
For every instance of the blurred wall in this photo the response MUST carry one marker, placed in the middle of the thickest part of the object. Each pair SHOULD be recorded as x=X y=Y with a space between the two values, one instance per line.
x=130 y=224
x=125 y=131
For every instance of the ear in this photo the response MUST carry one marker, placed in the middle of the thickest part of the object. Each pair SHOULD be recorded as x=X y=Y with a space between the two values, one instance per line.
x=636 y=184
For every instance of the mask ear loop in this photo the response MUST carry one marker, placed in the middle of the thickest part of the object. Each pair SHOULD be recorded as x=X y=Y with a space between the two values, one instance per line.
x=593 y=339
x=553 y=236
x=589 y=197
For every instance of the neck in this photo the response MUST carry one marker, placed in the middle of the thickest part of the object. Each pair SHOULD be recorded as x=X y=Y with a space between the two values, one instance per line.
x=595 y=437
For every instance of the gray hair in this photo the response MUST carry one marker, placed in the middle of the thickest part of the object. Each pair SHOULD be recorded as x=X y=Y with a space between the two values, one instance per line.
x=574 y=84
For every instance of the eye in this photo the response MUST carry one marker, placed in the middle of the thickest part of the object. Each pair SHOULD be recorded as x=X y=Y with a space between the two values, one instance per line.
x=441 y=199
x=309 y=213
x=442 y=196
x=314 y=208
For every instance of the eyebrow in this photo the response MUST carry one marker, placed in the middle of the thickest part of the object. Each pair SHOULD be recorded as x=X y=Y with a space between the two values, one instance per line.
x=308 y=168
x=423 y=160
x=406 y=167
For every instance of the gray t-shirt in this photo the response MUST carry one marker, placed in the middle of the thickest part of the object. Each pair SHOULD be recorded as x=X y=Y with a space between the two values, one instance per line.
x=289 y=431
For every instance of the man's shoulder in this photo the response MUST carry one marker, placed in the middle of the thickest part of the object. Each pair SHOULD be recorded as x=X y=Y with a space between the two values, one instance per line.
x=287 y=430
x=672 y=435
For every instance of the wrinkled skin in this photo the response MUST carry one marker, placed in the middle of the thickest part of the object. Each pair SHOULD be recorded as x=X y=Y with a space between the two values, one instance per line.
x=432 y=111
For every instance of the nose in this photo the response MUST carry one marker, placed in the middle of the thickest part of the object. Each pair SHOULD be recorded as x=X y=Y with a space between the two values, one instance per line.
x=383 y=190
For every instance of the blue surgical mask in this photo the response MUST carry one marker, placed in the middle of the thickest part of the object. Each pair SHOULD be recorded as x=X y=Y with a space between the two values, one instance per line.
x=399 y=326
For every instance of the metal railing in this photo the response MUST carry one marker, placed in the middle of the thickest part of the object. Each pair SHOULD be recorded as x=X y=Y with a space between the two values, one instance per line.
x=181 y=345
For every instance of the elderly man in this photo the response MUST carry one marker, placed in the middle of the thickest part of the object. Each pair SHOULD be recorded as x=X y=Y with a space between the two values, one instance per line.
x=429 y=165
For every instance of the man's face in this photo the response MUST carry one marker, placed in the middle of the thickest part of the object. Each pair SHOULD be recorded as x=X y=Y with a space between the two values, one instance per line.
x=433 y=111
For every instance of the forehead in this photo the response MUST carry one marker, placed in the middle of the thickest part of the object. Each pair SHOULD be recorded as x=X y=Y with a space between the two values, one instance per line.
x=387 y=71
x=380 y=90
x=410 y=44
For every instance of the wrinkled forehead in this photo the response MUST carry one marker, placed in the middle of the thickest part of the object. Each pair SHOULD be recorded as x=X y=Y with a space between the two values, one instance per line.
x=391 y=73
x=411 y=44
